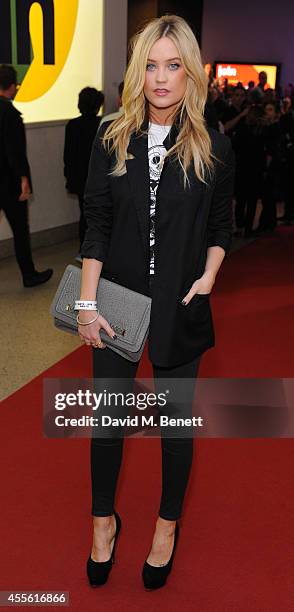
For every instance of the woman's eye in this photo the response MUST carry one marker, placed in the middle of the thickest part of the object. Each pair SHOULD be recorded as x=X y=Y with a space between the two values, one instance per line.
x=173 y=66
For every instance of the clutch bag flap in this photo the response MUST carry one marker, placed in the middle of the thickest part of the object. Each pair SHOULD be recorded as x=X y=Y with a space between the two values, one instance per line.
x=127 y=311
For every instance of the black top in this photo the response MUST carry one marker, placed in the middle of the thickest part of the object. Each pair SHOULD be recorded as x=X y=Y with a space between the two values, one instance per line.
x=79 y=136
x=13 y=157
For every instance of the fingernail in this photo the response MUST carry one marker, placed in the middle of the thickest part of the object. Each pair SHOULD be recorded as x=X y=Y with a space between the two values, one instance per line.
x=114 y=337
x=184 y=303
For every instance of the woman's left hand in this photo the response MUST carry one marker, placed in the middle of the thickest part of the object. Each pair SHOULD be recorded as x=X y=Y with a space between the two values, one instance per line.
x=202 y=285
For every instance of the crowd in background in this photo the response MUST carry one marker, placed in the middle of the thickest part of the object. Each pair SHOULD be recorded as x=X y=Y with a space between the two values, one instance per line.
x=260 y=122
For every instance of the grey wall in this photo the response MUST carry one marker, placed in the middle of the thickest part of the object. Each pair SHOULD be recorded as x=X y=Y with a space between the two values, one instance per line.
x=255 y=31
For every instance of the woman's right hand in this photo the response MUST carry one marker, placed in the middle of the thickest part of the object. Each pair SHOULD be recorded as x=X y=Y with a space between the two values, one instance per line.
x=90 y=334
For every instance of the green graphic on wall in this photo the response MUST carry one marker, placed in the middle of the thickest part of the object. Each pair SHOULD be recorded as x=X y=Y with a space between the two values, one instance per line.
x=21 y=68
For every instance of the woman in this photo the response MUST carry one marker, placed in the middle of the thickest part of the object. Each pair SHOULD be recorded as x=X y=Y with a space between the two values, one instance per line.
x=172 y=256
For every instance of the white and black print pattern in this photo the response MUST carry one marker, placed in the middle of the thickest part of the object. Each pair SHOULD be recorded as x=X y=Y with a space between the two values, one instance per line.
x=156 y=154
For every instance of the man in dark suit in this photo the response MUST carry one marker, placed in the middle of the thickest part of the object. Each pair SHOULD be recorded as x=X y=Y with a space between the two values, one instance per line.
x=79 y=135
x=15 y=178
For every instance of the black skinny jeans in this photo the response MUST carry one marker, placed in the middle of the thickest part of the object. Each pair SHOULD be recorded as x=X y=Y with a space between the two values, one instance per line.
x=177 y=452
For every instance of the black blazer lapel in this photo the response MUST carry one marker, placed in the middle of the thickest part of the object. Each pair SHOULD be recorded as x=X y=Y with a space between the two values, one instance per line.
x=138 y=177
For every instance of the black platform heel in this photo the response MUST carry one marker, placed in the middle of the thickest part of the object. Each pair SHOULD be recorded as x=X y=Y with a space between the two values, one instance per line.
x=98 y=571
x=155 y=577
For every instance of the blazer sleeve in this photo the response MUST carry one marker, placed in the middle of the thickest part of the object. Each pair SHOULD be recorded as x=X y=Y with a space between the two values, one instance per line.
x=220 y=220
x=98 y=206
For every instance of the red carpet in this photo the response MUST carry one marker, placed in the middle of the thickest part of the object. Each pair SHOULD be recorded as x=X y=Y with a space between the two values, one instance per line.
x=235 y=549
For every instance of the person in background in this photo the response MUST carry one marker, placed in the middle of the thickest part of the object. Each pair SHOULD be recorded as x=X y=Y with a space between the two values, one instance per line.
x=270 y=190
x=286 y=106
x=257 y=92
x=229 y=93
x=218 y=101
x=236 y=112
x=210 y=113
x=287 y=170
x=15 y=178
x=226 y=89
x=79 y=136
x=112 y=116
x=251 y=98
x=250 y=162
x=270 y=95
x=289 y=92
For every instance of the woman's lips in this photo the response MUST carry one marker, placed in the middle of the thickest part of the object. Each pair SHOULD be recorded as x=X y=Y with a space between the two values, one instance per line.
x=161 y=92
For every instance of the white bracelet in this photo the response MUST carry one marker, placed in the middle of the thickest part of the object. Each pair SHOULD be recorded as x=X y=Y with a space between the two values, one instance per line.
x=85 y=305
x=85 y=308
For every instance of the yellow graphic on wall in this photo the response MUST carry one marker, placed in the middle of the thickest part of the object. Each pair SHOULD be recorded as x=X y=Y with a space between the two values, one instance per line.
x=40 y=77
x=59 y=51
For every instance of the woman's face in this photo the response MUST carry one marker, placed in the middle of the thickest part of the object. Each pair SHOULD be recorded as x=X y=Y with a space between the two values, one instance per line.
x=165 y=79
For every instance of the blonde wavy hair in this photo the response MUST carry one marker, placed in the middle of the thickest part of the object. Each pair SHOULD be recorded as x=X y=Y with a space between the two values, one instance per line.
x=193 y=142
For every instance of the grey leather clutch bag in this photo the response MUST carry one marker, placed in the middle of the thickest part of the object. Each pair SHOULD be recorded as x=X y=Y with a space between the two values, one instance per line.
x=127 y=312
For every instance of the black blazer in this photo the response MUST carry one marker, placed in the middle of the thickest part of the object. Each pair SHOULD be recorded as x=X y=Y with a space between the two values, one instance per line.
x=187 y=222
x=13 y=157
x=79 y=135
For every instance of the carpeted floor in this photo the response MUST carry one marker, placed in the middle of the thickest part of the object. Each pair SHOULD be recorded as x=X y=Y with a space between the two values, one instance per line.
x=235 y=548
